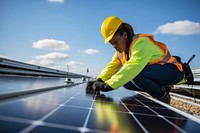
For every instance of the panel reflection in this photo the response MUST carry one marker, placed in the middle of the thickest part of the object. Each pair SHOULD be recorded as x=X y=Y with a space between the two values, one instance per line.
x=23 y=109
x=17 y=83
x=112 y=117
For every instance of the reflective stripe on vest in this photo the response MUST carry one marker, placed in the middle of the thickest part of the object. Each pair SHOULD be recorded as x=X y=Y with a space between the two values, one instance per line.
x=167 y=58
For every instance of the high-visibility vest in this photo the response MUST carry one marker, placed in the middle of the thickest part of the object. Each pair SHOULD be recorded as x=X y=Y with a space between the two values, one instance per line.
x=167 y=58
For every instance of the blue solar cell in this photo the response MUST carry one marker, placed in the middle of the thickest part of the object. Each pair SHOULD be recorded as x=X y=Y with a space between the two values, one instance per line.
x=168 y=112
x=131 y=101
x=11 y=127
x=152 y=104
x=140 y=109
x=68 y=116
x=43 y=129
x=185 y=124
x=80 y=103
x=155 y=124
x=26 y=109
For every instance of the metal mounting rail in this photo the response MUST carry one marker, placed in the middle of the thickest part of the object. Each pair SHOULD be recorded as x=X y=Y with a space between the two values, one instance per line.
x=8 y=66
x=186 y=90
x=196 y=73
x=189 y=90
x=33 y=91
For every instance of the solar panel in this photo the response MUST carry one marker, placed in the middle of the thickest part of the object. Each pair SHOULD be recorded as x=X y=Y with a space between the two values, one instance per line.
x=18 y=83
x=71 y=110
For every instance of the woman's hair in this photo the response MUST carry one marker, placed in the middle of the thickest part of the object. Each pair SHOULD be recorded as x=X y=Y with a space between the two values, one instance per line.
x=125 y=28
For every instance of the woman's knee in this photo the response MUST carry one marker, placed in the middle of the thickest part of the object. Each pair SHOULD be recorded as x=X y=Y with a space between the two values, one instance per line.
x=131 y=86
x=128 y=85
x=139 y=79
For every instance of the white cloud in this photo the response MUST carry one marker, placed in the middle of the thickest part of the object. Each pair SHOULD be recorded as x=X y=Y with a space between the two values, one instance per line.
x=51 y=44
x=42 y=62
x=74 y=63
x=56 y=1
x=91 y=51
x=185 y=27
x=48 y=59
x=52 y=56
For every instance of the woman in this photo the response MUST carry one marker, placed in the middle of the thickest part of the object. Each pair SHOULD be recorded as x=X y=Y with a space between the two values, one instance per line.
x=140 y=63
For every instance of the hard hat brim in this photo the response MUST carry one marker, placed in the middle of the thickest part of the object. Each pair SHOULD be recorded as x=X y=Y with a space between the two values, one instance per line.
x=128 y=26
x=108 y=39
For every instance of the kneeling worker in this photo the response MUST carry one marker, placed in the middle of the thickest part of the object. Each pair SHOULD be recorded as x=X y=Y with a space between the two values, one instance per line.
x=140 y=63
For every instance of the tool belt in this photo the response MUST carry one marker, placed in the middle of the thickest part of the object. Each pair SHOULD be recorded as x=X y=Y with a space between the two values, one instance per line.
x=187 y=70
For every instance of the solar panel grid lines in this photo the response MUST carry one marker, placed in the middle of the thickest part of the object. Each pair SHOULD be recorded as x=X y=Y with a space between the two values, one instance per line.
x=173 y=115
x=71 y=110
x=179 y=117
x=143 y=128
x=84 y=128
x=162 y=117
x=28 y=129
x=17 y=120
x=182 y=115
x=111 y=120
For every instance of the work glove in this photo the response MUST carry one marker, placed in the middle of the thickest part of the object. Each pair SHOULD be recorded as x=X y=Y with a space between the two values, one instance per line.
x=89 y=89
x=100 y=86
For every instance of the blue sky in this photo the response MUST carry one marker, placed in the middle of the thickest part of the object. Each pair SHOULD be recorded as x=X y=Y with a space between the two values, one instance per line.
x=57 y=33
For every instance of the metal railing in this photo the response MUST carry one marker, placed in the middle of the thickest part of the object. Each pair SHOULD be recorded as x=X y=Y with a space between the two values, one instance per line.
x=13 y=67
x=190 y=90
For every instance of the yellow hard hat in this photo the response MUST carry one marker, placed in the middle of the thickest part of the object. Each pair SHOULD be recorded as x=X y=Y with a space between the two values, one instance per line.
x=109 y=27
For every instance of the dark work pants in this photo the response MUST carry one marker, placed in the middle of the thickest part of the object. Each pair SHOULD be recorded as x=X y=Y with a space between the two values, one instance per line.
x=153 y=78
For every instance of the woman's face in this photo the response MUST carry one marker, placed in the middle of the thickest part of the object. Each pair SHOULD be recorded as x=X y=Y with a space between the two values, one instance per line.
x=119 y=42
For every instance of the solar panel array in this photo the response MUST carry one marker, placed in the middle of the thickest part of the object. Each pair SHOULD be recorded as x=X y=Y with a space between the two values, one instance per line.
x=71 y=110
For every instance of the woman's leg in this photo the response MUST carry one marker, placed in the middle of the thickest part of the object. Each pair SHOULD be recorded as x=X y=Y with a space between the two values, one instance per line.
x=153 y=78
x=132 y=86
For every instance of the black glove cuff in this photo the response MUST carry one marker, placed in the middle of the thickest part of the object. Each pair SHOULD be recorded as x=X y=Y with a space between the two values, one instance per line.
x=101 y=86
x=107 y=88
x=100 y=80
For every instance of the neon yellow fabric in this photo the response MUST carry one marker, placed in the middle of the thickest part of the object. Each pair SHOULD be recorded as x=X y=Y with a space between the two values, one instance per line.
x=111 y=68
x=143 y=52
